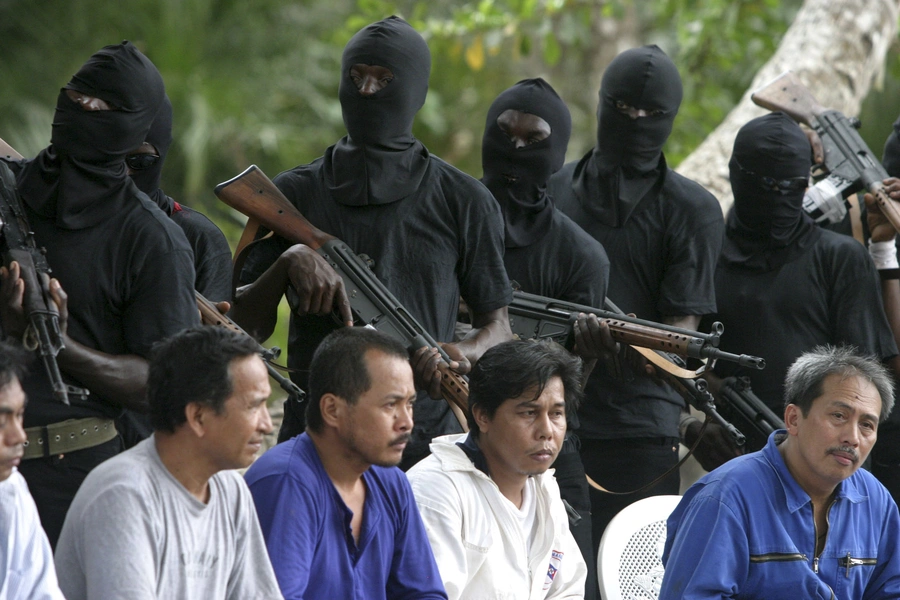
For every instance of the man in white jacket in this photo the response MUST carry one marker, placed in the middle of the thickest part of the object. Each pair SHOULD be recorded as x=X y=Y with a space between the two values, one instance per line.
x=491 y=507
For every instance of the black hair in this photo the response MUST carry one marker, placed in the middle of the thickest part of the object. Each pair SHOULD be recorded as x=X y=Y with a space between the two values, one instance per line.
x=511 y=369
x=807 y=375
x=193 y=366
x=338 y=367
x=13 y=361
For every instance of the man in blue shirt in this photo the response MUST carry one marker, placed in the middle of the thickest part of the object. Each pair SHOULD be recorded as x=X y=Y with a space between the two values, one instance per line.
x=796 y=519
x=339 y=517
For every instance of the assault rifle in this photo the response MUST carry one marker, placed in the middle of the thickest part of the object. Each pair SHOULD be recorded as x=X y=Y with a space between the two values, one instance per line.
x=741 y=405
x=537 y=317
x=253 y=194
x=849 y=164
x=210 y=315
x=17 y=244
x=532 y=316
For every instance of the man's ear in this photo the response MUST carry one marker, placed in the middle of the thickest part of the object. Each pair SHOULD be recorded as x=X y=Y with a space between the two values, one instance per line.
x=481 y=418
x=333 y=409
x=197 y=416
x=792 y=416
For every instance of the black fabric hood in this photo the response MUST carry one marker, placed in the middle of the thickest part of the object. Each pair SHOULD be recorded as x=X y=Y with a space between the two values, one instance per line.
x=80 y=179
x=160 y=136
x=768 y=228
x=380 y=161
x=527 y=209
x=890 y=159
x=628 y=160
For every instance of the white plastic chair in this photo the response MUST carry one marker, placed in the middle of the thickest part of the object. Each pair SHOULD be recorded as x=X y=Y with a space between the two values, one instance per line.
x=629 y=562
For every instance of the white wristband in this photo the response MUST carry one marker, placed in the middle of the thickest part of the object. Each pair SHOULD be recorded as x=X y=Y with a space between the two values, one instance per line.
x=884 y=254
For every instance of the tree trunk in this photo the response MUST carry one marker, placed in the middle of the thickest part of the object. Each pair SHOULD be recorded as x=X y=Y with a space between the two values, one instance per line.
x=836 y=47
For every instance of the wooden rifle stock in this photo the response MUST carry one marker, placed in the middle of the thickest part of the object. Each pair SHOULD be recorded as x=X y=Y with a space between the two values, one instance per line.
x=210 y=315
x=786 y=93
x=254 y=195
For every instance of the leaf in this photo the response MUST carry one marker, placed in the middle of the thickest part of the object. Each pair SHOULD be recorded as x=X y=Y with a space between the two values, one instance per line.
x=552 y=51
x=475 y=54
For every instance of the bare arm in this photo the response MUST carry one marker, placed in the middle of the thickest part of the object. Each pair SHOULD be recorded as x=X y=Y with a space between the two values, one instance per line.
x=318 y=286
x=488 y=330
x=121 y=379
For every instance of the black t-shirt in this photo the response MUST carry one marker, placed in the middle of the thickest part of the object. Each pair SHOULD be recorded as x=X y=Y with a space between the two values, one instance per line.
x=662 y=264
x=443 y=241
x=828 y=295
x=129 y=281
x=566 y=264
x=212 y=255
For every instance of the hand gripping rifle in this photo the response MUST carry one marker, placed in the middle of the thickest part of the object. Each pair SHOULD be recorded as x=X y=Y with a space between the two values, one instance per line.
x=254 y=194
x=17 y=244
x=849 y=164
x=210 y=315
x=742 y=406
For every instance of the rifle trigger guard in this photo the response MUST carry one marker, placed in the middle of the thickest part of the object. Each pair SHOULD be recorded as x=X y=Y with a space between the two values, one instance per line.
x=30 y=339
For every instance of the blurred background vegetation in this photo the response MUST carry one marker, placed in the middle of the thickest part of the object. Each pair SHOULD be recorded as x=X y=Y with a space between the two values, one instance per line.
x=255 y=81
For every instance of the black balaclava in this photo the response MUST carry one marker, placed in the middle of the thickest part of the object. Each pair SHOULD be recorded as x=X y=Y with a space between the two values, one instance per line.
x=767 y=228
x=627 y=160
x=890 y=159
x=80 y=179
x=160 y=136
x=526 y=207
x=380 y=161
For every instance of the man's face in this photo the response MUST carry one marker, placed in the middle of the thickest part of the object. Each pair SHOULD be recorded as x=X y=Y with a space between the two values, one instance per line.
x=376 y=428
x=526 y=433
x=370 y=78
x=523 y=128
x=235 y=436
x=12 y=435
x=837 y=435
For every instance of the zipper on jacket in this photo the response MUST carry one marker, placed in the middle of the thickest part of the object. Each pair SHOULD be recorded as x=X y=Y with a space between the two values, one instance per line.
x=848 y=561
x=778 y=557
x=816 y=565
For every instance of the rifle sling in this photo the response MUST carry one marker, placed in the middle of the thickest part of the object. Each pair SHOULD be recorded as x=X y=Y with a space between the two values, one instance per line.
x=667 y=366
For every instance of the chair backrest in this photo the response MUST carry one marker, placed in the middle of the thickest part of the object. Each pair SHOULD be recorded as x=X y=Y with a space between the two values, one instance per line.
x=629 y=562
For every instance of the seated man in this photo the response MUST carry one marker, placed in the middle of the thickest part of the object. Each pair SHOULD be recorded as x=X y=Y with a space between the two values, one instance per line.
x=26 y=564
x=338 y=516
x=167 y=518
x=492 y=510
x=797 y=519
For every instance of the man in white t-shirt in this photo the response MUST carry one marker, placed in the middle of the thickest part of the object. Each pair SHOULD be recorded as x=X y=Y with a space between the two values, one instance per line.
x=491 y=508
x=168 y=518
x=26 y=564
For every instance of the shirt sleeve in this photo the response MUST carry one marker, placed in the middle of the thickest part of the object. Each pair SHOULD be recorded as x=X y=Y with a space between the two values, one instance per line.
x=441 y=512
x=885 y=582
x=414 y=572
x=24 y=550
x=252 y=575
x=289 y=518
x=96 y=537
x=692 y=252
x=571 y=581
x=707 y=552
x=483 y=280
x=855 y=306
x=161 y=299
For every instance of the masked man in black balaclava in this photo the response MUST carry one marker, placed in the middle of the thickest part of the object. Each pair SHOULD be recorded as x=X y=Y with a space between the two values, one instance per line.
x=525 y=139
x=783 y=285
x=125 y=268
x=433 y=232
x=212 y=255
x=662 y=233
